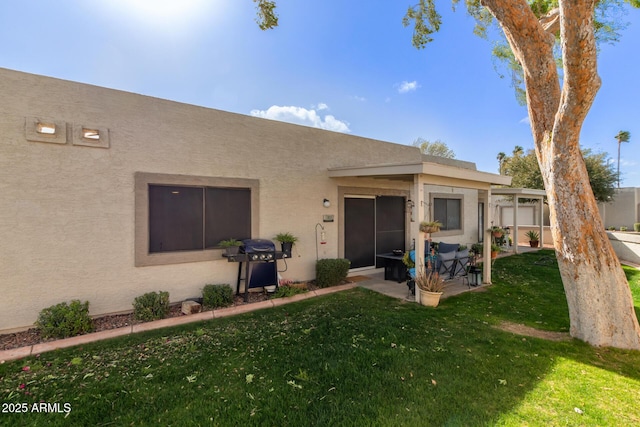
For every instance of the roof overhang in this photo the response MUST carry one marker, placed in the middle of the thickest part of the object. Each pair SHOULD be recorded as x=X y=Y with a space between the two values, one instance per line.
x=433 y=173
x=523 y=193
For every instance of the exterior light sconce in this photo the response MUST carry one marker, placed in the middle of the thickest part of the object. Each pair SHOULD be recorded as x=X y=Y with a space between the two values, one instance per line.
x=46 y=128
x=326 y=203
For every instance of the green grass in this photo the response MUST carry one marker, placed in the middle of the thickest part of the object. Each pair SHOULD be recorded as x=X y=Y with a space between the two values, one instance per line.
x=348 y=359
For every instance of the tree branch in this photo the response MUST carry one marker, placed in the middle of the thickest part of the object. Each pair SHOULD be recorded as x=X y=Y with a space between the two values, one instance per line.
x=551 y=21
x=579 y=59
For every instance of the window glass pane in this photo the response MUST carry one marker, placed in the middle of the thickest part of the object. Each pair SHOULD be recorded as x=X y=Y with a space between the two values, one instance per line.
x=175 y=218
x=440 y=212
x=453 y=214
x=448 y=212
x=228 y=214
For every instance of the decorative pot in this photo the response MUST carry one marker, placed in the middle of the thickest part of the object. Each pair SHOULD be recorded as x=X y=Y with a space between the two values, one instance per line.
x=286 y=248
x=494 y=254
x=533 y=243
x=430 y=229
x=430 y=299
x=497 y=234
x=232 y=250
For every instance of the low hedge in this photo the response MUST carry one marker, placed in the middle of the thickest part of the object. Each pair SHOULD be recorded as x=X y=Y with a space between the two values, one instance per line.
x=216 y=296
x=330 y=272
x=151 y=306
x=65 y=320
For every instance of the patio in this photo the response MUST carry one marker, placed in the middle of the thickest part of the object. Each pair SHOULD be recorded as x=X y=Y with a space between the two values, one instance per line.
x=375 y=281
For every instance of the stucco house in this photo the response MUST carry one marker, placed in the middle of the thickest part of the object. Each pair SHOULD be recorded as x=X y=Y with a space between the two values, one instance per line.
x=85 y=173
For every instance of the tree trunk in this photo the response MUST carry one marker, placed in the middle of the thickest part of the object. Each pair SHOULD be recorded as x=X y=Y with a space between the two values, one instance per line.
x=601 y=309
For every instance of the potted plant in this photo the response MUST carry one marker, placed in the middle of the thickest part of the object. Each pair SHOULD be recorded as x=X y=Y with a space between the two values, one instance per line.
x=534 y=238
x=431 y=286
x=286 y=242
x=496 y=231
x=495 y=250
x=231 y=246
x=477 y=248
x=430 y=226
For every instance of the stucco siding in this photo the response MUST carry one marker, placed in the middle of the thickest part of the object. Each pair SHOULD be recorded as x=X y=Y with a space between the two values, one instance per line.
x=67 y=219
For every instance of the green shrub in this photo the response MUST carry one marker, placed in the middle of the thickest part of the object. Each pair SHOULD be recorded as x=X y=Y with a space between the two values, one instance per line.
x=623 y=228
x=65 y=320
x=215 y=296
x=288 y=291
x=151 y=306
x=330 y=272
x=636 y=227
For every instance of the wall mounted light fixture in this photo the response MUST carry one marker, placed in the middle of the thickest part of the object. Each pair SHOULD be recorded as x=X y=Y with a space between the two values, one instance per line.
x=326 y=203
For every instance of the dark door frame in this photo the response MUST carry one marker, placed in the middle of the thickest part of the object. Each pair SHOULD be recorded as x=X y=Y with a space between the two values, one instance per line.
x=345 y=191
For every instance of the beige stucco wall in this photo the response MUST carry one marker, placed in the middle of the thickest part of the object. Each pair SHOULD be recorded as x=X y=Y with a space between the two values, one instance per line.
x=67 y=211
x=626 y=245
x=624 y=210
x=469 y=234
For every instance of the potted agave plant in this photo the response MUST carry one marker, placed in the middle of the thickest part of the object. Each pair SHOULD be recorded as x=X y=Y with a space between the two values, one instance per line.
x=286 y=242
x=431 y=286
x=231 y=246
x=534 y=238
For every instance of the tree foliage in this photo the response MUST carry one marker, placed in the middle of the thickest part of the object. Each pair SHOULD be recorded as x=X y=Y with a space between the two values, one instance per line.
x=436 y=148
x=555 y=43
x=525 y=172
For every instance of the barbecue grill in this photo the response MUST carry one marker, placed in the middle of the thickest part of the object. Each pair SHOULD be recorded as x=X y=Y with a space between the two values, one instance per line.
x=260 y=264
x=258 y=249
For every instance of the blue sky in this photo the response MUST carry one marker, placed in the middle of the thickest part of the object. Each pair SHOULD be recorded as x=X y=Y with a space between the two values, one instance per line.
x=344 y=66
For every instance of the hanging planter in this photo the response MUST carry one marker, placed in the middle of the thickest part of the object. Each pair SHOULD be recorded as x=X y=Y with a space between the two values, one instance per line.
x=430 y=226
x=496 y=232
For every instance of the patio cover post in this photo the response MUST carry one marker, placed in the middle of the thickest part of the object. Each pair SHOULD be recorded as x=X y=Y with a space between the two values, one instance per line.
x=486 y=252
x=515 y=224
x=418 y=194
x=541 y=205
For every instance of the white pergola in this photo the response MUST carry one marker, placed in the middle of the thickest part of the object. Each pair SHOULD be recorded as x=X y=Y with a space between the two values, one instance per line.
x=441 y=172
x=523 y=193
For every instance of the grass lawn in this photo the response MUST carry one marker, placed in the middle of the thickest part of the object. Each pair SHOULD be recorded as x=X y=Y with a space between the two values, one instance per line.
x=355 y=358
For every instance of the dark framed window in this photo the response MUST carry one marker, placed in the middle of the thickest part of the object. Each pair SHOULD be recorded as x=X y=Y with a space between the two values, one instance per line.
x=448 y=212
x=189 y=218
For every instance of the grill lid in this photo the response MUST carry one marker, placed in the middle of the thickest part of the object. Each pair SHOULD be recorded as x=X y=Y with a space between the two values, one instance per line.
x=257 y=245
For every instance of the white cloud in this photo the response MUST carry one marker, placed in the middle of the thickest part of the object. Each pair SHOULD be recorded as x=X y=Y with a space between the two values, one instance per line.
x=302 y=116
x=526 y=121
x=358 y=98
x=406 y=86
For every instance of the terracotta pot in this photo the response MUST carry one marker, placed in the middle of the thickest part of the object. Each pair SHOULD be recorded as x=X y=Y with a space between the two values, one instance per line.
x=533 y=243
x=497 y=234
x=494 y=254
x=430 y=299
x=430 y=229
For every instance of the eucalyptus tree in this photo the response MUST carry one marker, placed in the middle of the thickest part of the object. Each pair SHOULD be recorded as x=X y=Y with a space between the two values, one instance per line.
x=552 y=51
x=435 y=148
x=622 y=136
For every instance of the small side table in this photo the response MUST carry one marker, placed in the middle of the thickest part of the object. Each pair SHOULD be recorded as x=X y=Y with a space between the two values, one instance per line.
x=394 y=268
